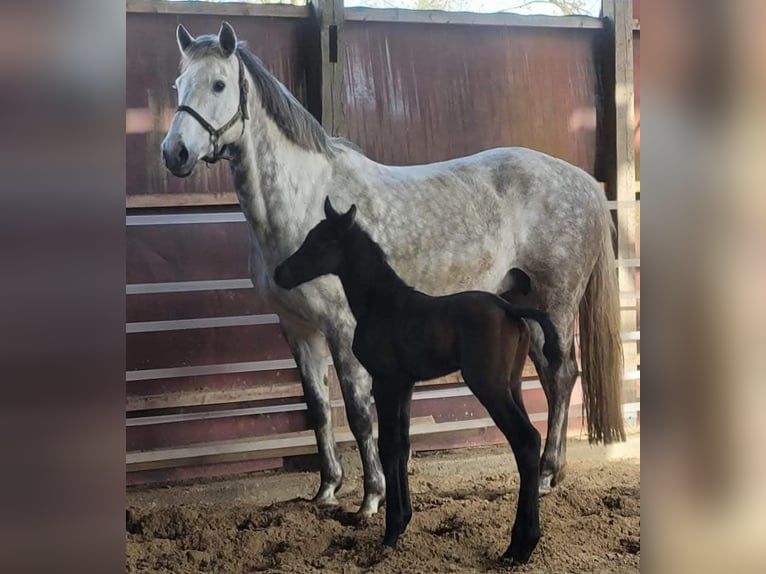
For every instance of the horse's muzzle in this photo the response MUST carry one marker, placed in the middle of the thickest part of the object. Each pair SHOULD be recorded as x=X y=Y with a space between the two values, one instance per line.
x=177 y=158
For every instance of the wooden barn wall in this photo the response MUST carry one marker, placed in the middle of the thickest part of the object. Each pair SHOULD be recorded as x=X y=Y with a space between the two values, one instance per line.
x=211 y=386
x=419 y=93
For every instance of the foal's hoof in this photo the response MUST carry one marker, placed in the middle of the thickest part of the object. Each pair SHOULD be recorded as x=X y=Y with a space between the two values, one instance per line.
x=520 y=549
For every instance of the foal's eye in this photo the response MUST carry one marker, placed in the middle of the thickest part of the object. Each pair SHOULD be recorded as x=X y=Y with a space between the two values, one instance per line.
x=218 y=86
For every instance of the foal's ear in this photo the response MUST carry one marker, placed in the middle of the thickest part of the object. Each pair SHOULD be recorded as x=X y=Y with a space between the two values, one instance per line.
x=227 y=37
x=329 y=210
x=183 y=38
x=348 y=218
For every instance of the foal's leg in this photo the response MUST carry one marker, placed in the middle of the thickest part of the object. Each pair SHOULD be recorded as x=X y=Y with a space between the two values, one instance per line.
x=393 y=417
x=404 y=455
x=310 y=352
x=488 y=367
x=356 y=384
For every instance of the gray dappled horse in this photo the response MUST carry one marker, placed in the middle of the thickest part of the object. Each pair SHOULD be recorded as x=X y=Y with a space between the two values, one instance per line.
x=477 y=222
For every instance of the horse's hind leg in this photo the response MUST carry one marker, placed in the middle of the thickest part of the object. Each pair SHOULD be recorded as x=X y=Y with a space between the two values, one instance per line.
x=356 y=385
x=310 y=352
x=558 y=387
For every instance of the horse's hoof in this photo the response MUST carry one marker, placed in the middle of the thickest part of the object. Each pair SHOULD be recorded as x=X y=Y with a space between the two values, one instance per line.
x=545 y=486
x=370 y=505
x=389 y=540
x=326 y=496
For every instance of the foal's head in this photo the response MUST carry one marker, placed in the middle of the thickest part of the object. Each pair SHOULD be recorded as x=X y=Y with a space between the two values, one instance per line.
x=321 y=252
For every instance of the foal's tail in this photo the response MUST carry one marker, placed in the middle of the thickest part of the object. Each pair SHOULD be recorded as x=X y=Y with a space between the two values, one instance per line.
x=552 y=345
x=601 y=347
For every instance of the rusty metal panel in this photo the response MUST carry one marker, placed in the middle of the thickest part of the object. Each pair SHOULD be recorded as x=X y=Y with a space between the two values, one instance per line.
x=167 y=253
x=418 y=93
x=152 y=65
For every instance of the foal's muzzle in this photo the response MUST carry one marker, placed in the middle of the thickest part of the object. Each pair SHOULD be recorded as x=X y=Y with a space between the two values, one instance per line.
x=177 y=158
x=283 y=278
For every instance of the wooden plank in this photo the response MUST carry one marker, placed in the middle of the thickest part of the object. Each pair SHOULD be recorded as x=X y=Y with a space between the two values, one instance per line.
x=330 y=17
x=276 y=446
x=216 y=9
x=213 y=397
x=469 y=18
x=181 y=473
x=180 y=199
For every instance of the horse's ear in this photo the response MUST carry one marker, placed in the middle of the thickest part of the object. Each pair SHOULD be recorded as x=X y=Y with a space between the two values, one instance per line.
x=183 y=38
x=348 y=218
x=227 y=37
x=329 y=210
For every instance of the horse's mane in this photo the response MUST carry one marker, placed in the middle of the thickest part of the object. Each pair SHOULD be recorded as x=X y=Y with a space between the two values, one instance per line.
x=292 y=119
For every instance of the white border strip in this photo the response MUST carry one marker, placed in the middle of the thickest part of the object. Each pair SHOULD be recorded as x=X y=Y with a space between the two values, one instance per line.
x=187 y=286
x=202 y=323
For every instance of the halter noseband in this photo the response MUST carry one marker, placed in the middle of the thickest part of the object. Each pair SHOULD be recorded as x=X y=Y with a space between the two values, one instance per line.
x=241 y=114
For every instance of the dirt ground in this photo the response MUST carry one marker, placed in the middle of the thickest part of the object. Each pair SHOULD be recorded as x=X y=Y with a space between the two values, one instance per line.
x=463 y=503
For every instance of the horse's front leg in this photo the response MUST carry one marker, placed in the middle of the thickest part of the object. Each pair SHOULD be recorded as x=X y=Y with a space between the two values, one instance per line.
x=392 y=403
x=309 y=349
x=356 y=386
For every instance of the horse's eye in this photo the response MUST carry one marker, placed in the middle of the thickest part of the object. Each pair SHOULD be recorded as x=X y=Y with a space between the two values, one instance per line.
x=218 y=86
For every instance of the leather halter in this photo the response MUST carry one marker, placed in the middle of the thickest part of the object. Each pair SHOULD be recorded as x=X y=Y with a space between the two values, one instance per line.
x=241 y=114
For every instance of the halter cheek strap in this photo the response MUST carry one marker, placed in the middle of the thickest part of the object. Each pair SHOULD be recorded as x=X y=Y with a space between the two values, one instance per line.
x=241 y=114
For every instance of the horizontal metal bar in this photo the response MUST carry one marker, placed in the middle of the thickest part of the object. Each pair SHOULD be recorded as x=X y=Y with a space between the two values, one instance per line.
x=187 y=286
x=623 y=204
x=631 y=336
x=628 y=263
x=360 y=14
x=206 y=323
x=632 y=376
x=293 y=407
x=202 y=370
x=184 y=218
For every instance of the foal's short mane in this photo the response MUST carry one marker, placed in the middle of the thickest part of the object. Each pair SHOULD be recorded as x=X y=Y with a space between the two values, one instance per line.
x=292 y=119
x=368 y=254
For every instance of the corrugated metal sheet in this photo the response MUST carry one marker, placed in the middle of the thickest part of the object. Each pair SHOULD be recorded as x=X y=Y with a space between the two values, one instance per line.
x=418 y=93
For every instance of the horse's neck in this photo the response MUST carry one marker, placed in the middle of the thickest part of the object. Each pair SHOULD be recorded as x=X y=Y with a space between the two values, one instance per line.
x=279 y=185
x=367 y=277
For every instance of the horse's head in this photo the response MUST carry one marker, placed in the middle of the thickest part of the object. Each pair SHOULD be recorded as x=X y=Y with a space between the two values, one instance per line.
x=321 y=252
x=212 y=98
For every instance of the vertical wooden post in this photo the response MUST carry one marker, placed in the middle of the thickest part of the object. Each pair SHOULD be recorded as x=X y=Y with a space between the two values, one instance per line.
x=330 y=19
x=622 y=172
x=330 y=14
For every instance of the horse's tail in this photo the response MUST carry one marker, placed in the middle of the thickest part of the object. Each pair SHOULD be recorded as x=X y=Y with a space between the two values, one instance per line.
x=552 y=345
x=601 y=346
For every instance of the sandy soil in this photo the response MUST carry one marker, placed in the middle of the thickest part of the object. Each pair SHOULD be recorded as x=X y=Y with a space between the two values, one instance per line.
x=463 y=504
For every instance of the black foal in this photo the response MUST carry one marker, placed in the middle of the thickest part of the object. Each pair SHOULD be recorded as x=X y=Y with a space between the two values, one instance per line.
x=403 y=336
